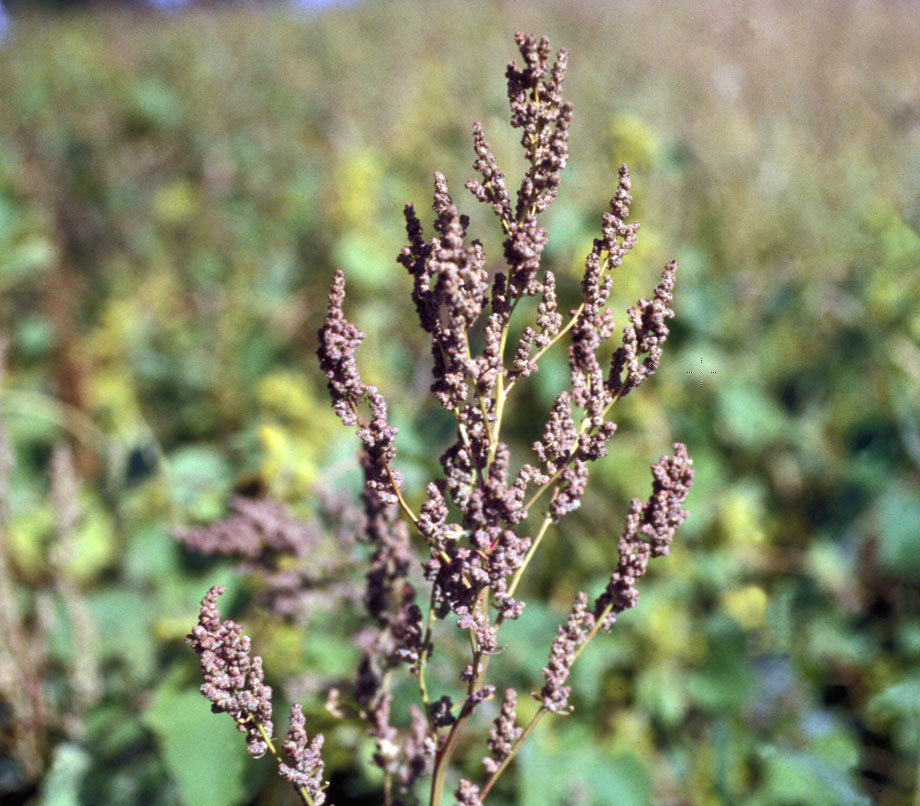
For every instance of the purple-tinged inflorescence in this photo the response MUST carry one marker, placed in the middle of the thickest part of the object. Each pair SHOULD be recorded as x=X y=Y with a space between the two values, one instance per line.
x=650 y=528
x=419 y=749
x=569 y=637
x=441 y=712
x=338 y=341
x=467 y=794
x=390 y=602
x=298 y=563
x=472 y=517
x=233 y=680
x=255 y=528
x=305 y=770
x=537 y=108
x=646 y=333
x=503 y=734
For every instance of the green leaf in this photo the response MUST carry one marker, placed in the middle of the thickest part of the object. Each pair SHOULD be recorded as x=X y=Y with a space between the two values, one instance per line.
x=27 y=259
x=61 y=785
x=156 y=105
x=367 y=263
x=801 y=778
x=111 y=729
x=123 y=621
x=748 y=417
x=199 y=478
x=622 y=776
x=151 y=555
x=900 y=704
x=204 y=752
x=552 y=765
x=725 y=680
x=899 y=538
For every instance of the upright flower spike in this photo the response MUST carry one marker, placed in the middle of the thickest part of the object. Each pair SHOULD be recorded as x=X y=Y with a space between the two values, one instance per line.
x=339 y=339
x=233 y=680
x=234 y=683
x=646 y=334
x=305 y=770
x=650 y=528
x=504 y=733
x=569 y=637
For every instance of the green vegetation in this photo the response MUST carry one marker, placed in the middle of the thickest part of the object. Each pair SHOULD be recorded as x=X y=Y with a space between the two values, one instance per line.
x=175 y=192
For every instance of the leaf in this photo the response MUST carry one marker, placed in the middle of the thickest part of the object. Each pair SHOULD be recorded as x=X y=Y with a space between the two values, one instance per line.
x=748 y=417
x=900 y=704
x=61 y=785
x=123 y=619
x=899 y=538
x=111 y=729
x=28 y=259
x=151 y=555
x=794 y=778
x=726 y=680
x=204 y=752
x=199 y=479
x=551 y=765
x=365 y=260
x=156 y=105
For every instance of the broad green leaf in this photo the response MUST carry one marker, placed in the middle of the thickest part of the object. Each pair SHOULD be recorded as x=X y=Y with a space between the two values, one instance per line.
x=204 y=752
x=61 y=784
x=554 y=764
x=123 y=626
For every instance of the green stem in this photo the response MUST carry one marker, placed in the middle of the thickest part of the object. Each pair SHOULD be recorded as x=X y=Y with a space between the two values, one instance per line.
x=547 y=520
x=501 y=393
x=512 y=753
x=278 y=760
x=442 y=758
x=539 y=354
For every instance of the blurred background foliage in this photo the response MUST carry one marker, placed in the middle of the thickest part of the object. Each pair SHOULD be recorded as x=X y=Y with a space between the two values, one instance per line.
x=176 y=189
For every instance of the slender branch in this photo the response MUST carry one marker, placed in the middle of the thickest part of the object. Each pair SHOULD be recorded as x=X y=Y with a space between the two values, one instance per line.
x=512 y=753
x=279 y=760
x=547 y=520
x=399 y=497
x=539 y=354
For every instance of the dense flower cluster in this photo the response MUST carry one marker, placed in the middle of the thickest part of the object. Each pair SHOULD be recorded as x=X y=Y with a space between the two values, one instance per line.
x=504 y=733
x=569 y=637
x=233 y=679
x=480 y=550
x=306 y=768
x=234 y=683
x=650 y=528
x=255 y=528
x=646 y=334
x=339 y=340
x=467 y=794
x=298 y=564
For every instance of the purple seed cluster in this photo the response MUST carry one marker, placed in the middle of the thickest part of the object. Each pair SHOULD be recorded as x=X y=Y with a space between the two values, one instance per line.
x=650 y=528
x=234 y=683
x=504 y=733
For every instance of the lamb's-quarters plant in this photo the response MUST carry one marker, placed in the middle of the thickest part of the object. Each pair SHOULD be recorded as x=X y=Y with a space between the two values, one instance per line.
x=479 y=525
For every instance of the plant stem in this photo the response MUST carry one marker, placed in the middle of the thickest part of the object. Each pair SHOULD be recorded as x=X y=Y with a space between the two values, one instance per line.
x=278 y=760
x=512 y=753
